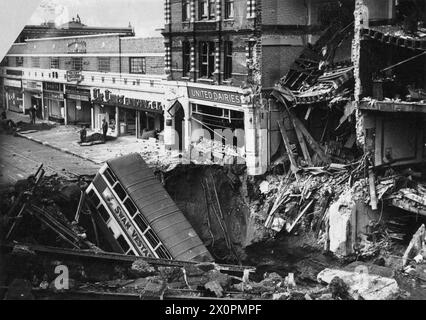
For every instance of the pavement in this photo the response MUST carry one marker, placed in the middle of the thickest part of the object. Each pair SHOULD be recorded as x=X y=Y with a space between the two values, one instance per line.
x=65 y=138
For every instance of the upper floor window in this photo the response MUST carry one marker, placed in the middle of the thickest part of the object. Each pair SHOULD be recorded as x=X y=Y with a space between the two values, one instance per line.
x=251 y=8
x=186 y=10
x=19 y=61
x=186 y=54
x=137 y=65
x=54 y=63
x=207 y=59
x=229 y=9
x=104 y=64
x=227 y=72
x=35 y=62
x=206 y=9
x=77 y=64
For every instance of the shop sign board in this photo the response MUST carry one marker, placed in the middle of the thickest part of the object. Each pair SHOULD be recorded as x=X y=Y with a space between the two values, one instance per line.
x=216 y=96
x=12 y=83
x=110 y=98
x=32 y=85
x=74 y=76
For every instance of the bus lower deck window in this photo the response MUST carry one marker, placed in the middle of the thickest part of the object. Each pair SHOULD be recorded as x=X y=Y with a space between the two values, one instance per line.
x=152 y=238
x=123 y=243
x=92 y=196
x=104 y=213
x=162 y=253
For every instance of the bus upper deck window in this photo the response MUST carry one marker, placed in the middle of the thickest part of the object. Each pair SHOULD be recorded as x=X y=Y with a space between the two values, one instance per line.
x=141 y=223
x=109 y=176
x=104 y=213
x=130 y=207
x=120 y=191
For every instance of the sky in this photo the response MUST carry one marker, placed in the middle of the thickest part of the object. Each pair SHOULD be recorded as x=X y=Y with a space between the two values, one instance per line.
x=144 y=15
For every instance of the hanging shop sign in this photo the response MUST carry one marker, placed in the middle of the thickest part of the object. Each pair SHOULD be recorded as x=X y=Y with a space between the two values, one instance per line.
x=12 y=83
x=32 y=85
x=107 y=97
x=217 y=96
x=74 y=76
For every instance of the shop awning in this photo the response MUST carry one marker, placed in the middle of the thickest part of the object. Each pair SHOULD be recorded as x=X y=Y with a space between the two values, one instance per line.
x=392 y=106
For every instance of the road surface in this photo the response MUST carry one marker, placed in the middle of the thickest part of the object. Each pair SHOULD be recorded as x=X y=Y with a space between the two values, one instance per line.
x=20 y=158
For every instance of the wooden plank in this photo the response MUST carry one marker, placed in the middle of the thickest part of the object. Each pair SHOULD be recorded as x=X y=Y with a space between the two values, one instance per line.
x=294 y=167
x=372 y=185
x=290 y=228
x=303 y=146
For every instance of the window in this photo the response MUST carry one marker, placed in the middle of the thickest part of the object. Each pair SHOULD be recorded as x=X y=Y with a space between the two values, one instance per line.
x=229 y=9
x=137 y=65
x=227 y=72
x=104 y=64
x=186 y=9
x=104 y=213
x=203 y=8
x=130 y=207
x=212 y=9
x=19 y=61
x=94 y=198
x=152 y=238
x=251 y=6
x=120 y=191
x=207 y=59
x=123 y=243
x=110 y=176
x=186 y=53
x=35 y=62
x=162 y=253
x=77 y=64
x=140 y=223
x=54 y=63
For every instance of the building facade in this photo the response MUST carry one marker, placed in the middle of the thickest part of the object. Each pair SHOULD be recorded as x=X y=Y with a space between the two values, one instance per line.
x=85 y=79
x=221 y=57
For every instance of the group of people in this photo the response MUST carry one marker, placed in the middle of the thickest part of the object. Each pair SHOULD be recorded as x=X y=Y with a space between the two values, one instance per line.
x=83 y=132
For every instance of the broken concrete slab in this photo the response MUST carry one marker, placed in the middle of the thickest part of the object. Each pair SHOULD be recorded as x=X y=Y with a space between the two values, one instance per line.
x=363 y=285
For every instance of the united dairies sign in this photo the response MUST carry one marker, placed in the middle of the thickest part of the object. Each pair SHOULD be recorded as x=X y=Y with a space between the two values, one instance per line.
x=218 y=96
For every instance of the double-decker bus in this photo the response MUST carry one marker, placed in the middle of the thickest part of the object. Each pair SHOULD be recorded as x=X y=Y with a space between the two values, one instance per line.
x=143 y=219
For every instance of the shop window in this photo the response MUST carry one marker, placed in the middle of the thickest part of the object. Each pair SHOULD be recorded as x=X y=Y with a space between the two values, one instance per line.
x=207 y=59
x=137 y=65
x=35 y=62
x=186 y=10
x=229 y=9
x=77 y=64
x=104 y=64
x=54 y=63
x=19 y=61
x=186 y=54
x=227 y=72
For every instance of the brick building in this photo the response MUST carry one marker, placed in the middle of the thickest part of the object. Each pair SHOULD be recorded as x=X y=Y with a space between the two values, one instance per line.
x=221 y=56
x=84 y=79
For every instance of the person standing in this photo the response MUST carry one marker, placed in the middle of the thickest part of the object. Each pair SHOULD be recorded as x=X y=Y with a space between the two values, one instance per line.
x=104 y=129
x=83 y=134
x=33 y=114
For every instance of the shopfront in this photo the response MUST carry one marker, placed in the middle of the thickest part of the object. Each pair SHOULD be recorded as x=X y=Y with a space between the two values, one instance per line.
x=14 y=95
x=33 y=96
x=78 y=106
x=53 y=94
x=130 y=113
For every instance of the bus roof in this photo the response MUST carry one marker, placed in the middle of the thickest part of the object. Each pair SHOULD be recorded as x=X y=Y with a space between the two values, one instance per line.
x=161 y=212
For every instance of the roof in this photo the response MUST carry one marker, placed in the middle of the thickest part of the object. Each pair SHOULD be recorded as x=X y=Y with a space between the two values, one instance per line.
x=161 y=212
